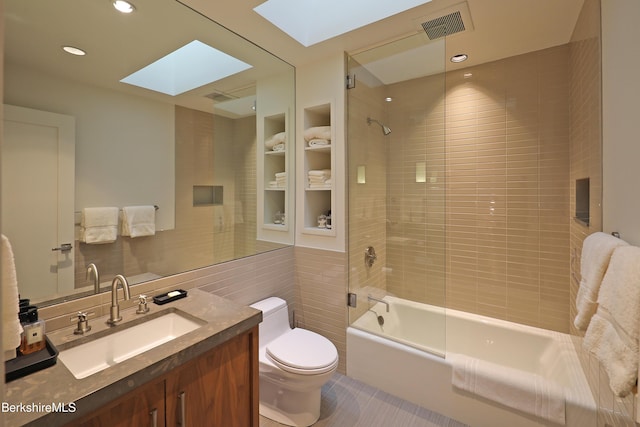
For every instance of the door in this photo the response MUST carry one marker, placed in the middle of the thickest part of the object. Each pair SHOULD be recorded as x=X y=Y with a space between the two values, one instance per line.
x=38 y=169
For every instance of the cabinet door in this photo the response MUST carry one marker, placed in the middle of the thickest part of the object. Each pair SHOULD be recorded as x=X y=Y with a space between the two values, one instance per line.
x=218 y=389
x=140 y=408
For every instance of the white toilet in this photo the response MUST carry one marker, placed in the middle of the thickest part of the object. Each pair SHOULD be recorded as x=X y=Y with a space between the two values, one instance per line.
x=294 y=365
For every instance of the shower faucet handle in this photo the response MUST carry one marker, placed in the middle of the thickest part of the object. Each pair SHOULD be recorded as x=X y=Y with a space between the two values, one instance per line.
x=370 y=256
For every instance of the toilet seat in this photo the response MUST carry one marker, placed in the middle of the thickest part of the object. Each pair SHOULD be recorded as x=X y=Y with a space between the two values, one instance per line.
x=300 y=351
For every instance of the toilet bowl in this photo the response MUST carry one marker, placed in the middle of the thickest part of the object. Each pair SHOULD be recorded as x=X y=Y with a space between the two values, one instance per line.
x=294 y=364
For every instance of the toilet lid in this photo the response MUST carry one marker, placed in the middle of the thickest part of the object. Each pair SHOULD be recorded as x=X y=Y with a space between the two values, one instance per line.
x=303 y=352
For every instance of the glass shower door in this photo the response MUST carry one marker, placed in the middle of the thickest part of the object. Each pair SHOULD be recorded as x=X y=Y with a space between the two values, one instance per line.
x=396 y=173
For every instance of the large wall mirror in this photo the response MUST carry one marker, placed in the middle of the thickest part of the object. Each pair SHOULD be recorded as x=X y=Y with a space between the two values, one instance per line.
x=96 y=131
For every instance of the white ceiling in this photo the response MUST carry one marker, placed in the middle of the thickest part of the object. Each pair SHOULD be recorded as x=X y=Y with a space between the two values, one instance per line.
x=502 y=28
x=33 y=36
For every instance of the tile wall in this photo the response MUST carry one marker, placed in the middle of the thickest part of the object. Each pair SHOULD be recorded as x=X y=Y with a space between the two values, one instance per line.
x=507 y=163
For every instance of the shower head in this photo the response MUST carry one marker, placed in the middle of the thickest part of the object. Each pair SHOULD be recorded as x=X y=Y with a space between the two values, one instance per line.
x=385 y=129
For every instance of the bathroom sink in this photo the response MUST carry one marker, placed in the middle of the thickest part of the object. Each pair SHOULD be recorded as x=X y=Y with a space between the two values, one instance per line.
x=99 y=354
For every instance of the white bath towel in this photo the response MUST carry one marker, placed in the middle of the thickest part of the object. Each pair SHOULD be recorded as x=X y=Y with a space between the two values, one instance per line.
x=524 y=391
x=278 y=138
x=596 y=252
x=138 y=221
x=317 y=132
x=11 y=328
x=99 y=225
x=279 y=147
x=613 y=332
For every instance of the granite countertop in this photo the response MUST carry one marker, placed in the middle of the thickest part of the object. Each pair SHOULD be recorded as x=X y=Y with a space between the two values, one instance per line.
x=56 y=385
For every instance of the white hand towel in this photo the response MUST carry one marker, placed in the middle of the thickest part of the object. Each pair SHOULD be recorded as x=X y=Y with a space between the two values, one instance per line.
x=317 y=132
x=596 y=252
x=99 y=225
x=524 y=391
x=11 y=328
x=138 y=221
x=613 y=332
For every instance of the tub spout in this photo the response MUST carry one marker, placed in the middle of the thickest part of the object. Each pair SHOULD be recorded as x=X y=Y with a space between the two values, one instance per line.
x=370 y=298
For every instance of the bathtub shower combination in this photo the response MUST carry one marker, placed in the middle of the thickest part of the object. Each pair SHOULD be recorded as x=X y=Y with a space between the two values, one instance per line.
x=484 y=372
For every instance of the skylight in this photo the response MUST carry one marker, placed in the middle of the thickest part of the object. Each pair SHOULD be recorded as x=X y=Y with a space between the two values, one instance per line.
x=313 y=21
x=193 y=65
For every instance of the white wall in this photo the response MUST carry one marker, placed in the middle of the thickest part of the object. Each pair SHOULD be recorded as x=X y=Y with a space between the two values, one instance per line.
x=621 y=118
x=124 y=144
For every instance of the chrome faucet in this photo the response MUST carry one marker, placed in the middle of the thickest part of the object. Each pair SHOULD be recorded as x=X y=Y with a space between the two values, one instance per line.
x=115 y=308
x=92 y=269
x=370 y=298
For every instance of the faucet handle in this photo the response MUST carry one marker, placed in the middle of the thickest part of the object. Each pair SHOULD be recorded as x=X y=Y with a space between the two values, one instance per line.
x=142 y=304
x=83 y=324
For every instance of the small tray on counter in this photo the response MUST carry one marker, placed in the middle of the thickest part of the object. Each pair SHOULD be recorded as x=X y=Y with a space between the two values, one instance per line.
x=30 y=363
x=165 y=298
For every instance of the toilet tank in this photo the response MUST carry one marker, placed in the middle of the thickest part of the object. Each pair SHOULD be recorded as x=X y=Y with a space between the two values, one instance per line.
x=275 y=319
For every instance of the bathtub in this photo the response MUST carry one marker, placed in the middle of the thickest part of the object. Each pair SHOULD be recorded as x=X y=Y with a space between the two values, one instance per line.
x=406 y=357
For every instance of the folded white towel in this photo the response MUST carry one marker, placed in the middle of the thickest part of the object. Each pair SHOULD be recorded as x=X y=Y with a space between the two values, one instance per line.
x=281 y=174
x=613 y=332
x=99 y=225
x=524 y=391
x=321 y=186
x=11 y=328
x=596 y=252
x=320 y=172
x=317 y=132
x=317 y=142
x=138 y=221
x=278 y=138
x=318 y=178
x=279 y=147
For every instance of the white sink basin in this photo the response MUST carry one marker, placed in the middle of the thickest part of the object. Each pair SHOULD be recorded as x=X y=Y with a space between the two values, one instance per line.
x=99 y=354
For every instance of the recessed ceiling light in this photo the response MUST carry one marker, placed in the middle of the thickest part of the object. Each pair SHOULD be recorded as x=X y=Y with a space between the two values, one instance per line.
x=467 y=75
x=123 y=6
x=388 y=99
x=313 y=21
x=461 y=57
x=193 y=65
x=74 y=50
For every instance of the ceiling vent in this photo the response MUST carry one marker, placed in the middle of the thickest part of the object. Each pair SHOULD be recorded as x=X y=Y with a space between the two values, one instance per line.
x=452 y=20
x=443 y=26
x=219 y=96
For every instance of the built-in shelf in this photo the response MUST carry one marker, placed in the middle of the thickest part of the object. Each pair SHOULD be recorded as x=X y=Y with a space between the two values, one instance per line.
x=274 y=199
x=318 y=200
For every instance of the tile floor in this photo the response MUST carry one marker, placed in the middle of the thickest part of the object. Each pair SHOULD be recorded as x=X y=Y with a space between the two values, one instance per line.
x=350 y=403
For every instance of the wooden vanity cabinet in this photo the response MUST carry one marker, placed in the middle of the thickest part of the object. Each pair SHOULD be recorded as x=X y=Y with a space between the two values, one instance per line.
x=144 y=406
x=219 y=388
